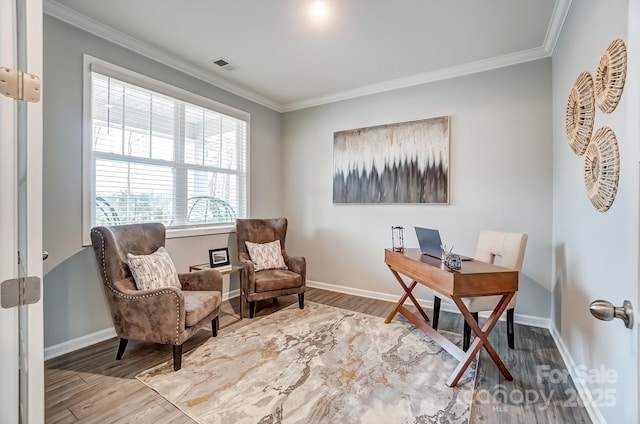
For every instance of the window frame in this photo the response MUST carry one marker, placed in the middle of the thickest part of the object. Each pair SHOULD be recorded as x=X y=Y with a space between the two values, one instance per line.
x=90 y=64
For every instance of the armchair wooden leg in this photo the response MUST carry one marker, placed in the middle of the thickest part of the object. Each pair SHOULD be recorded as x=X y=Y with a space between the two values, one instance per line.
x=177 y=357
x=436 y=312
x=301 y=300
x=466 y=338
x=252 y=309
x=215 y=323
x=121 y=348
x=510 y=335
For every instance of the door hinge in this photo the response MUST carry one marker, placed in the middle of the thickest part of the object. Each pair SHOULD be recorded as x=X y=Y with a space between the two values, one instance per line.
x=19 y=85
x=13 y=293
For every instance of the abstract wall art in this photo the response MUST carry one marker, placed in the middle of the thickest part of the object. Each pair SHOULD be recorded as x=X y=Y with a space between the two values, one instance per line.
x=406 y=162
x=611 y=75
x=580 y=113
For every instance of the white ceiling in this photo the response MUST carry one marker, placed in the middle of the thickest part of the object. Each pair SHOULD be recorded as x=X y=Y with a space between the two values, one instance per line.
x=288 y=59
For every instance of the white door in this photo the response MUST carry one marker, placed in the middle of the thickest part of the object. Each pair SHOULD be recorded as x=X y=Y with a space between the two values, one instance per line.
x=21 y=328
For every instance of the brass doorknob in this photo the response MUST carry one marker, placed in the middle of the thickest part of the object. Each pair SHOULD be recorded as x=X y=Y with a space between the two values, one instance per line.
x=605 y=311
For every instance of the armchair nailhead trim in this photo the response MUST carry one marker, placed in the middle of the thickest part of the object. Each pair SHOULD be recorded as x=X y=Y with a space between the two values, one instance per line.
x=125 y=296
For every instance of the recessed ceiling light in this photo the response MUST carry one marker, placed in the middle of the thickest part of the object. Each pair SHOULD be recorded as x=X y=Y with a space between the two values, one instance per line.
x=319 y=9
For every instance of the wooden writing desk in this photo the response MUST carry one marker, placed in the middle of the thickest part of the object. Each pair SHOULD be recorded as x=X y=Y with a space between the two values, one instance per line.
x=474 y=279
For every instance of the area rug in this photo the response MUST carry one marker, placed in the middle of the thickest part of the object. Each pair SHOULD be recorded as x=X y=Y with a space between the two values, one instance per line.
x=317 y=365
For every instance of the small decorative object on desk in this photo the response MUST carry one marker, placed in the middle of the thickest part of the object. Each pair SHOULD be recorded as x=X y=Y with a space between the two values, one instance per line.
x=445 y=251
x=453 y=262
x=397 y=239
x=219 y=258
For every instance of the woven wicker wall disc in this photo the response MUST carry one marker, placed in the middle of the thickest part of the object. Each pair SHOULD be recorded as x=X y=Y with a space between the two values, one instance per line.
x=611 y=75
x=581 y=108
x=602 y=168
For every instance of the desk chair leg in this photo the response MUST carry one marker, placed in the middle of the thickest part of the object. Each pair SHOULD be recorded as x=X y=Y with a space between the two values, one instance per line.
x=177 y=357
x=467 y=333
x=252 y=309
x=510 y=335
x=436 y=312
x=301 y=300
x=121 y=348
x=215 y=324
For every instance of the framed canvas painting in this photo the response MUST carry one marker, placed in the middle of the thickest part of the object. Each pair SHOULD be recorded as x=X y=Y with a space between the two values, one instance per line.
x=406 y=162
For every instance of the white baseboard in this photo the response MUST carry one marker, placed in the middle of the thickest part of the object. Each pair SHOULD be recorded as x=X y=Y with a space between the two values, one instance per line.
x=78 y=343
x=583 y=391
x=356 y=292
x=108 y=333
x=231 y=294
x=99 y=336
x=529 y=320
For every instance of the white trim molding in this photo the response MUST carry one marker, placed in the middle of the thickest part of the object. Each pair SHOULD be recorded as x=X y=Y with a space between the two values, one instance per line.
x=78 y=343
x=72 y=17
x=76 y=19
x=560 y=12
x=99 y=336
x=425 y=78
x=583 y=391
x=529 y=320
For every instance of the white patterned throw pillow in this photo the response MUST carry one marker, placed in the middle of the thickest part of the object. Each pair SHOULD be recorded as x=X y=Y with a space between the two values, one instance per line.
x=266 y=255
x=153 y=271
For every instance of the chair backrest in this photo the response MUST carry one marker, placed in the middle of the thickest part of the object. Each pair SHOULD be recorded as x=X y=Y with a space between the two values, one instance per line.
x=111 y=245
x=260 y=231
x=509 y=246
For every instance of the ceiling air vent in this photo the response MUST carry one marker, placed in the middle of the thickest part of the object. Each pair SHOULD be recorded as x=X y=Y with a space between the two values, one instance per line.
x=224 y=64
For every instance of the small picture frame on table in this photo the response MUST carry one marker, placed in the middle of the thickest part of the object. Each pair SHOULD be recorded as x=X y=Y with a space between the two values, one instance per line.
x=219 y=258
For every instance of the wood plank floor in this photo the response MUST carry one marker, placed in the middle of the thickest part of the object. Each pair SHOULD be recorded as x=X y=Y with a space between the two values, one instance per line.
x=90 y=386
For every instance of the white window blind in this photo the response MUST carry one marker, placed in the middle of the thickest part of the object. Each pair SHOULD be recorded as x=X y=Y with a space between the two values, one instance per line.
x=159 y=158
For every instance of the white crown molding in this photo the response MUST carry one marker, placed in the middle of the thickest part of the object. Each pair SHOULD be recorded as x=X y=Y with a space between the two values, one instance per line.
x=71 y=17
x=558 y=17
x=438 y=75
x=560 y=12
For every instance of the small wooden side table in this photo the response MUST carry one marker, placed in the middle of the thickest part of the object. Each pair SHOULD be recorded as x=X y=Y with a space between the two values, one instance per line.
x=235 y=268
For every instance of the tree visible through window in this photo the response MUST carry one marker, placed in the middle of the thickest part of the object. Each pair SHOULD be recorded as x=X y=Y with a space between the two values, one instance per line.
x=162 y=159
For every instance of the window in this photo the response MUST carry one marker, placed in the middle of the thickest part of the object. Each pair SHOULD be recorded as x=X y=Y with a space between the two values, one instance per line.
x=156 y=153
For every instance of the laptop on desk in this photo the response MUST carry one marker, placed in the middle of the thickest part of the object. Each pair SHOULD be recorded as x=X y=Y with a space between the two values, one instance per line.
x=430 y=243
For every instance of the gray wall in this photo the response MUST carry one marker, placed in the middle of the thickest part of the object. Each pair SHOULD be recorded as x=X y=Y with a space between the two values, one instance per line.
x=508 y=150
x=500 y=162
x=500 y=178
x=595 y=253
x=74 y=304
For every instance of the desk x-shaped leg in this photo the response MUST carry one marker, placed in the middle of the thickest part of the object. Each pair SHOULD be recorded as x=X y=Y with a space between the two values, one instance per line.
x=481 y=339
x=407 y=293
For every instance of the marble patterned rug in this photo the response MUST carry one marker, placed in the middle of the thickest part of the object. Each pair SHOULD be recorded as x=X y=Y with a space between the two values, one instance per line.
x=317 y=365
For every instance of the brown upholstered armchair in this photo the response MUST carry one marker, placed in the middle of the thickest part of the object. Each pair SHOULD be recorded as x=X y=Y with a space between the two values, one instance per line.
x=168 y=315
x=268 y=283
